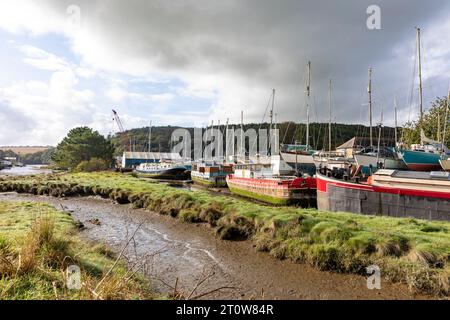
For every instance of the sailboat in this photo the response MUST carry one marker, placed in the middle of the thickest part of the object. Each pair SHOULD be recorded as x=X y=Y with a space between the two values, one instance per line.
x=300 y=157
x=425 y=156
x=379 y=157
x=166 y=169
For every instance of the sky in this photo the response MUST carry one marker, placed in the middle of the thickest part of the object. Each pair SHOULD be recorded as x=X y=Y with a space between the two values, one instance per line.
x=65 y=64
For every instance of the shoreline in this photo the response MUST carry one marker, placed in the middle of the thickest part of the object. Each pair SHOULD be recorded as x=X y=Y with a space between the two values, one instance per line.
x=280 y=231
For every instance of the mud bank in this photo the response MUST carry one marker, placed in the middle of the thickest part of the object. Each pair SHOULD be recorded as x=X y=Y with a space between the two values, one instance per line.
x=191 y=253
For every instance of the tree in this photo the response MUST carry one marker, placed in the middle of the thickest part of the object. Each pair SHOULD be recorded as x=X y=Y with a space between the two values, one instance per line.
x=82 y=144
x=432 y=123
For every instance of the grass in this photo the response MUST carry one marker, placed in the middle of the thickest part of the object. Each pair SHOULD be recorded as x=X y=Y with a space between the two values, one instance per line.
x=39 y=243
x=415 y=252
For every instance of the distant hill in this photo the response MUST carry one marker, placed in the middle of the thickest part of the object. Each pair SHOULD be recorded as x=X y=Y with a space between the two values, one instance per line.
x=289 y=133
x=28 y=155
x=21 y=150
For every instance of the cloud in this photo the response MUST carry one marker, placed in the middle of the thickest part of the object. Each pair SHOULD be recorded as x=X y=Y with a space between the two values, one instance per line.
x=233 y=53
x=47 y=109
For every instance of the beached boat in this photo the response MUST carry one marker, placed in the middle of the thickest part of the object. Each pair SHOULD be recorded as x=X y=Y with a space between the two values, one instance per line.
x=269 y=183
x=422 y=195
x=385 y=159
x=299 y=158
x=163 y=170
x=421 y=158
x=211 y=175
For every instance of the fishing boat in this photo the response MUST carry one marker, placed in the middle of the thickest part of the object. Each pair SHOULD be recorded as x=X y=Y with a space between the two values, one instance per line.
x=423 y=195
x=163 y=170
x=211 y=174
x=270 y=183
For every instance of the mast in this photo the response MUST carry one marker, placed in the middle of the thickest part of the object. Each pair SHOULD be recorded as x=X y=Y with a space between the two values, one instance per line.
x=308 y=95
x=150 y=138
x=379 y=135
x=369 y=90
x=419 y=52
x=396 y=125
x=271 y=122
x=446 y=119
x=329 y=123
x=242 y=133
x=220 y=141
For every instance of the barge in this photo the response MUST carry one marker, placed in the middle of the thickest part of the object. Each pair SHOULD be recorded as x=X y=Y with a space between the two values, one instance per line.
x=263 y=182
x=211 y=175
x=422 y=195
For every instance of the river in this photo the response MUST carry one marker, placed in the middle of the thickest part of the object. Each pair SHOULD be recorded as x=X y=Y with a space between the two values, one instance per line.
x=171 y=251
x=23 y=171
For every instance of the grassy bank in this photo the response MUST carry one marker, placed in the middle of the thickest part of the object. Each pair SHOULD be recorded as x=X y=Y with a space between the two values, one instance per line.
x=411 y=251
x=39 y=243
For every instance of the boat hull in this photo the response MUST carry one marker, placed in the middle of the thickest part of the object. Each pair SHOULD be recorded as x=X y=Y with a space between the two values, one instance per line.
x=275 y=191
x=169 y=174
x=304 y=163
x=388 y=163
x=421 y=161
x=213 y=182
x=341 y=196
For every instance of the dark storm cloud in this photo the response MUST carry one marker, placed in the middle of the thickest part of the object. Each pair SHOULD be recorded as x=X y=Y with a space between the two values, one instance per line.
x=267 y=43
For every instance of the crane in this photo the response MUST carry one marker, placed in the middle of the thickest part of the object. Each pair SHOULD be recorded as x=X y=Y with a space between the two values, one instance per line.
x=125 y=136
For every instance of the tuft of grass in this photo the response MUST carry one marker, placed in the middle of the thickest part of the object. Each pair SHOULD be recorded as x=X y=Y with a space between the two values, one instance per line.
x=38 y=243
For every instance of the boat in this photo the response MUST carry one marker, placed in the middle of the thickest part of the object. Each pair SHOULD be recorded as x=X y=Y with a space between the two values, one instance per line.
x=396 y=193
x=299 y=157
x=163 y=170
x=421 y=158
x=5 y=164
x=268 y=182
x=386 y=158
x=332 y=161
x=211 y=175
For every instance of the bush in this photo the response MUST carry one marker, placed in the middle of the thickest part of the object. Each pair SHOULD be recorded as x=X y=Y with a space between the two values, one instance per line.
x=95 y=164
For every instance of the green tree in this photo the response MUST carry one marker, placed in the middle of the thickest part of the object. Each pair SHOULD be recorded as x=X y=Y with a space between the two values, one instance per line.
x=82 y=144
x=432 y=123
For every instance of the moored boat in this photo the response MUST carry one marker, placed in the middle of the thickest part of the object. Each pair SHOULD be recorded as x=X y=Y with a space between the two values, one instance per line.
x=423 y=195
x=268 y=183
x=386 y=160
x=421 y=159
x=302 y=161
x=211 y=175
x=163 y=170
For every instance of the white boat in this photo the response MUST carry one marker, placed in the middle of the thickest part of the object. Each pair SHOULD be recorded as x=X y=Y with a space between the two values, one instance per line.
x=367 y=160
x=163 y=170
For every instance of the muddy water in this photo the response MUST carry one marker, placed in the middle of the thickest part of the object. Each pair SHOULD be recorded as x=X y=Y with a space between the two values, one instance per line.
x=170 y=249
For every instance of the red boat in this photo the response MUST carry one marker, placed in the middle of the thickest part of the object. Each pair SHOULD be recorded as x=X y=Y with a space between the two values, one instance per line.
x=423 y=195
x=257 y=181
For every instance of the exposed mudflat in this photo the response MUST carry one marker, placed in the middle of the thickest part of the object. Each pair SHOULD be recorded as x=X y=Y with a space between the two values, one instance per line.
x=170 y=249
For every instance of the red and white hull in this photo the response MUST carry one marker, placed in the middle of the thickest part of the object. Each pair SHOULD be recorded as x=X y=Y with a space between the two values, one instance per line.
x=279 y=191
x=406 y=198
